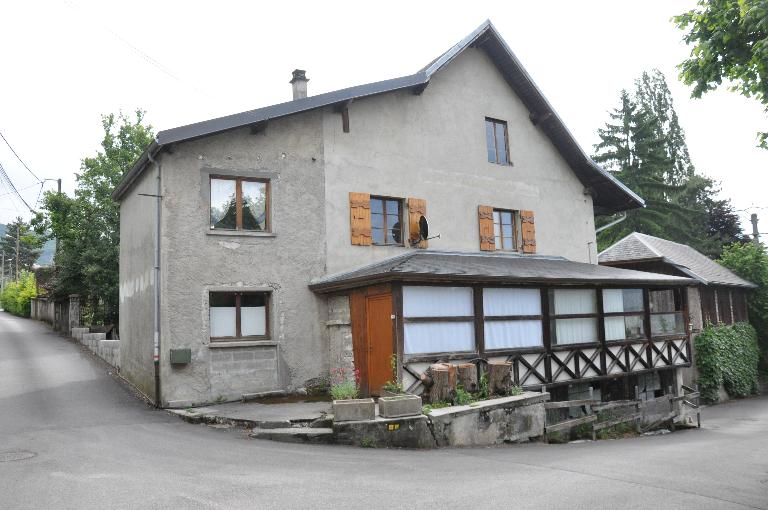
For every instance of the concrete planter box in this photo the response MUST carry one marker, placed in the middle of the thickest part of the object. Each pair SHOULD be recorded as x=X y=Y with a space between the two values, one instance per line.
x=399 y=406
x=358 y=409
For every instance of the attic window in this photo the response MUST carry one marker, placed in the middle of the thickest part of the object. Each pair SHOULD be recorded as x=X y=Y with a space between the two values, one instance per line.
x=496 y=141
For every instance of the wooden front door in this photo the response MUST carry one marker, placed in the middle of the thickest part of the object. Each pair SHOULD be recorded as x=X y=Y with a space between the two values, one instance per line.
x=378 y=340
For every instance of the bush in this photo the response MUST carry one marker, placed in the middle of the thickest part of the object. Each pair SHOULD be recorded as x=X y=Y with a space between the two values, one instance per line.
x=750 y=261
x=17 y=295
x=727 y=355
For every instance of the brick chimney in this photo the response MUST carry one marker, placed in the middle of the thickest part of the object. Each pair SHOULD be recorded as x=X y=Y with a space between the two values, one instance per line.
x=299 y=82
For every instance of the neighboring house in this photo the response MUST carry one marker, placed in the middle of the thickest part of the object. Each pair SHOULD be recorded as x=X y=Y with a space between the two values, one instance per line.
x=720 y=296
x=291 y=242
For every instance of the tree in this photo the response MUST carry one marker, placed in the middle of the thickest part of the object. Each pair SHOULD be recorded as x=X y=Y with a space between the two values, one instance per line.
x=87 y=226
x=30 y=245
x=730 y=42
x=750 y=261
x=17 y=295
x=644 y=146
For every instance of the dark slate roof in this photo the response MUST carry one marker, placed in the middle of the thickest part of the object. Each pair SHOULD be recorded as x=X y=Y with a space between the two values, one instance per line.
x=637 y=247
x=430 y=266
x=609 y=195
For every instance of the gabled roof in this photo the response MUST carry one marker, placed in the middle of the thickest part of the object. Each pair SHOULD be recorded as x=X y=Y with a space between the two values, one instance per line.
x=609 y=195
x=430 y=266
x=637 y=247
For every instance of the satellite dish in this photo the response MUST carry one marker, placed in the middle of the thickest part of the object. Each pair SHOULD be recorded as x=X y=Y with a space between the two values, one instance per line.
x=423 y=228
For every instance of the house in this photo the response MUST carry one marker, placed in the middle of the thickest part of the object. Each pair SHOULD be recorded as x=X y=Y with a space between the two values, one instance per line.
x=446 y=214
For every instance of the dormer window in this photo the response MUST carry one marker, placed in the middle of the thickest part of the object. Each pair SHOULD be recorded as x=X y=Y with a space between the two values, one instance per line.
x=496 y=141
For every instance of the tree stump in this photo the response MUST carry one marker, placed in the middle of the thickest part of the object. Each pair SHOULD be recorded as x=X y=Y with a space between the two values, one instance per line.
x=499 y=377
x=443 y=377
x=467 y=376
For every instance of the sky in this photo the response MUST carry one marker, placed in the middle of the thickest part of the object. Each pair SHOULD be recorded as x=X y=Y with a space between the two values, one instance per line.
x=64 y=63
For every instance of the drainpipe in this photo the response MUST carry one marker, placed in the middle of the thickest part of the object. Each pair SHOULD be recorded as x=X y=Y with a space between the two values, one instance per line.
x=156 y=350
x=615 y=222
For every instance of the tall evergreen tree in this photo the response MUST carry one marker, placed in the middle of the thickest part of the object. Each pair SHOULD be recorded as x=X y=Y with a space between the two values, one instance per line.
x=644 y=146
x=30 y=245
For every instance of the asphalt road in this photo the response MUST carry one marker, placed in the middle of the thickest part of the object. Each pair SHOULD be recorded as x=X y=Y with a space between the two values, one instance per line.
x=96 y=445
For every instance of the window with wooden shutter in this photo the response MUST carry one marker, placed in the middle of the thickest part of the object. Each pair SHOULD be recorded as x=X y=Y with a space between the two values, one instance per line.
x=528 y=231
x=417 y=207
x=360 y=218
x=485 y=220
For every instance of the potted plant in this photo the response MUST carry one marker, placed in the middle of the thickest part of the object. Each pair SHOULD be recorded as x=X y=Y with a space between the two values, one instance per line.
x=344 y=391
x=393 y=387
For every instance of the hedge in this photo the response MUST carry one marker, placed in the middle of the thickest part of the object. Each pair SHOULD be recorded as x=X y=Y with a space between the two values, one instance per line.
x=17 y=295
x=727 y=355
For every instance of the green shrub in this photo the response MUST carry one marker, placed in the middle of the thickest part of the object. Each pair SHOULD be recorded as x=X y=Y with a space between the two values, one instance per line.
x=16 y=297
x=727 y=355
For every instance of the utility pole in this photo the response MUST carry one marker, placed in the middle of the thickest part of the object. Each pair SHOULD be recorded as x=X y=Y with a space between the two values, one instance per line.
x=18 y=227
x=755 y=234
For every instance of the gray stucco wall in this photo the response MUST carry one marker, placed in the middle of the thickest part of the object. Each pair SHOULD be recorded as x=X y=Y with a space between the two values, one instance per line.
x=197 y=261
x=137 y=245
x=432 y=146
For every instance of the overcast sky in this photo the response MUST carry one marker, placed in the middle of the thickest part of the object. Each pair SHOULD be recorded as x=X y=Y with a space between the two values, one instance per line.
x=66 y=62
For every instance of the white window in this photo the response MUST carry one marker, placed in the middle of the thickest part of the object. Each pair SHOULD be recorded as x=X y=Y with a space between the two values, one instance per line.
x=237 y=315
x=624 y=310
x=438 y=319
x=512 y=318
x=574 y=313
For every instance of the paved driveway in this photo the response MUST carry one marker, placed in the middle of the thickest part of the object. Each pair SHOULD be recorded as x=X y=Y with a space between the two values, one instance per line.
x=96 y=446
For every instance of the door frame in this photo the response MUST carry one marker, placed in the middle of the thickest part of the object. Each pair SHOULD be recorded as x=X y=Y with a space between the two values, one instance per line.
x=359 y=323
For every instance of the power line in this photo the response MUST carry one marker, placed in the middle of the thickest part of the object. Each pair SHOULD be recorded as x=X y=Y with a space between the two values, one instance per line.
x=8 y=180
x=21 y=189
x=17 y=157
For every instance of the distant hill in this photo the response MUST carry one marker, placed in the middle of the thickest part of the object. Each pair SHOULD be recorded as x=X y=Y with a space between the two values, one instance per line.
x=46 y=256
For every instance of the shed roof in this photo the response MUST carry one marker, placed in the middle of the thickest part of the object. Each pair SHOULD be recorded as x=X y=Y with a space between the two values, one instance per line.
x=430 y=266
x=637 y=247
x=609 y=195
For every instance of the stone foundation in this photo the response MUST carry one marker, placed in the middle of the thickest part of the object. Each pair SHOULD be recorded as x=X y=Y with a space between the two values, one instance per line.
x=340 y=336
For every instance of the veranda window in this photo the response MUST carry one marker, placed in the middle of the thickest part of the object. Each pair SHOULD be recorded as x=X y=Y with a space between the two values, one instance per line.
x=512 y=318
x=574 y=316
x=624 y=314
x=238 y=315
x=667 y=316
x=438 y=319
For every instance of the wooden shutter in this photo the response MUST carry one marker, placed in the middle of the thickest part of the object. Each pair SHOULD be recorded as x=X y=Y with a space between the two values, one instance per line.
x=417 y=207
x=360 y=218
x=528 y=231
x=485 y=219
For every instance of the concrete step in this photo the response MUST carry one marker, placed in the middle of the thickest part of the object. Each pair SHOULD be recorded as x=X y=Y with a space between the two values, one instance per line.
x=295 y=434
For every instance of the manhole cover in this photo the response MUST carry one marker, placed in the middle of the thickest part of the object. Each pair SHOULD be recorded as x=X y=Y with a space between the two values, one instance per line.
x=11 y=456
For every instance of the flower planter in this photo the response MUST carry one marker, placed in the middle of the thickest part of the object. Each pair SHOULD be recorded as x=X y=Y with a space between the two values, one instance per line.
x=387 y=393
x=357 y=409
x=400 y=406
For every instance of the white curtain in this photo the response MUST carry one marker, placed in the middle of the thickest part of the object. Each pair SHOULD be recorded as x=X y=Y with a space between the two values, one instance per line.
x=512 y=334
x=437 y=302
x=511 y=302
x=575 y=331
x=253 y=320
x=223 y=321
x=614 y=328
x=574 y=301
x=613 y=300
x=426 y=337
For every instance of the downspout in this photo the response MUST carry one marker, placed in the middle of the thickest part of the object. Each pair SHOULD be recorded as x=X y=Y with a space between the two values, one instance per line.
x=615 y=222
x=156 y=349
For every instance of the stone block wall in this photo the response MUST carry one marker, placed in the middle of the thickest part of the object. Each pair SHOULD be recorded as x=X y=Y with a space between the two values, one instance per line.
x=339 y=328
x=235 y=371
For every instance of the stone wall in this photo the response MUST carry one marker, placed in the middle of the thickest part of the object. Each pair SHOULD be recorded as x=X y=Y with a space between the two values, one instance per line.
x=340 y=336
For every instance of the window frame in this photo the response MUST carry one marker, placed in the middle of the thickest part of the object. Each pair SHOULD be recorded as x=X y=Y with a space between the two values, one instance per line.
x=400 y=205
x=641 y=314
x=504 y=318
x=494 y=122
x=238 y=317
x=239 y=202
x=472 y=319
x=515 y=233
x=683 y=313
x=552 y=317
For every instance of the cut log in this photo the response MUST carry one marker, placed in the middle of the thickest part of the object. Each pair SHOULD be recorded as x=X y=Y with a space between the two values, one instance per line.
x=426 y=379
x=443 y=382
x=467 y=376
x=499 y=377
